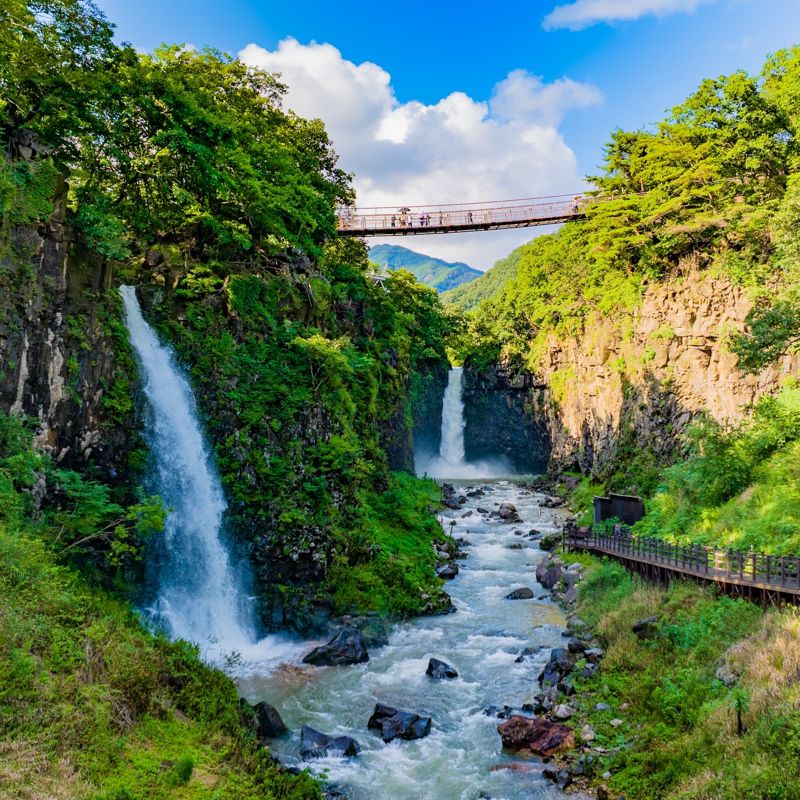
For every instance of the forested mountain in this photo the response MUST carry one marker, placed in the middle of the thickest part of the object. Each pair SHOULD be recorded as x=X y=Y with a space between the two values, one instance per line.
x=434 y=272
x=469 y=295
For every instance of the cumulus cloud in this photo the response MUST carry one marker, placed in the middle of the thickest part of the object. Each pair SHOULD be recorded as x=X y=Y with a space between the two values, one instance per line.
x=458 y=149
x=583 y=13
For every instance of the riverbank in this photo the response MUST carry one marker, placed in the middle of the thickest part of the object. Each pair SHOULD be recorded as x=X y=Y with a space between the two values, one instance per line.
x=695 y=695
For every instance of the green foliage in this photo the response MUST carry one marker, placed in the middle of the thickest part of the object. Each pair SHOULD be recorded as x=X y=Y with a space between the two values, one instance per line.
x=680 y=736
x=715 y=177
x=179 y=149
x=736 y=488
x=77 y=518
x=387 y=562
x=94 y=706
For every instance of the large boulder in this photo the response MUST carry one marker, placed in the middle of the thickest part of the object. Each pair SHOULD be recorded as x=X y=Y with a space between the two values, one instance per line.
x=395 y=724
x=523 y=593
x=440 y=669
x=268 y=721
x=508 y=513
x=561 y=663
x=314 y=744
x=347 y=647
x=549 y=572
x=448 y=571
x=538 y=735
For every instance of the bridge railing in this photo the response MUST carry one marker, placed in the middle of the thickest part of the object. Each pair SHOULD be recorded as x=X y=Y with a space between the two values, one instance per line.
x=739 y=566
x=464 y=215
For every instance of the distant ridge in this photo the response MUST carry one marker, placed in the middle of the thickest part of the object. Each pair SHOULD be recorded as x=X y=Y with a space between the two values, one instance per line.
x=435 y=272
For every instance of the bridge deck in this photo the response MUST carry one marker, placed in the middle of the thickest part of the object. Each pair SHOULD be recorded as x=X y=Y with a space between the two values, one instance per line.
x=756 y=576
x=418 y=220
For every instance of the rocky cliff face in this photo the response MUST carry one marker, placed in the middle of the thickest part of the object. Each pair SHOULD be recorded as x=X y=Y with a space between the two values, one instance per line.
x=64 y=358
x=653 y=375
x=505 y=418
x=643 y=380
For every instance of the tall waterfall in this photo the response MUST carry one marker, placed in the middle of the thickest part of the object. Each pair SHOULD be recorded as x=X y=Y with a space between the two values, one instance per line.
x=200 y=592
x=451 y=461
x=451 y=451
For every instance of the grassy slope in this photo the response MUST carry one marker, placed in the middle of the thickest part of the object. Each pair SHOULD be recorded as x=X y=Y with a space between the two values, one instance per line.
x=469 y=295
x=435 y=272
x=678 y=738
x=92 y=706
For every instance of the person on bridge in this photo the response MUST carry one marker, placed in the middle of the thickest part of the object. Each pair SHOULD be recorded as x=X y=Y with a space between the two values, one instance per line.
x=469 y=217
x=394 y=221
x=421 y=220
x=441 y=218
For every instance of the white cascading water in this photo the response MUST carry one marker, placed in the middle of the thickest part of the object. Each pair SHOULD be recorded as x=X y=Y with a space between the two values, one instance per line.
x=452 y=448
x=200 y=594
x=451 y=461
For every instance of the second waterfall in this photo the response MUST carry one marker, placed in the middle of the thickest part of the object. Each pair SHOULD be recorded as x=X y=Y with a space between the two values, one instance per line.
x=451 y=461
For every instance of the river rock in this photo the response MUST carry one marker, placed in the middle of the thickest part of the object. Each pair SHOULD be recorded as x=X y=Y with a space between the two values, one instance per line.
x=447 y=572
x=440 y=669
x=347 y=647
x=645 y=628
x=394 y=724
x=537 y=734
x=508 y=513
x=561 y=663
x=588 y=734
x=594 y=654
x=524 y=593
x=549 y=572
x=268 y=721
x=526 y=652
x=550 y=541
x=314 y=744
x=563 y=712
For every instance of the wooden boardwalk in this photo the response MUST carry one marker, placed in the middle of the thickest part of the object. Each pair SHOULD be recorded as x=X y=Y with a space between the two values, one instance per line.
x=492 y=215
x=766 y=579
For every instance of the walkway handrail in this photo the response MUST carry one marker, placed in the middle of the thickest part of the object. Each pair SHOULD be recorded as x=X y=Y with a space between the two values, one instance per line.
x=778 y=573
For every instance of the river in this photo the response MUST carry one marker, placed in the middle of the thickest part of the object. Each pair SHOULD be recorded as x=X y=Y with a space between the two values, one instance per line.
x=462 y=758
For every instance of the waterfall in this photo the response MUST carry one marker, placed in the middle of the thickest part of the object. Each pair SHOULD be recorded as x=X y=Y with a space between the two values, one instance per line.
x=451 y=461
x=452 y=447
x=200 y=593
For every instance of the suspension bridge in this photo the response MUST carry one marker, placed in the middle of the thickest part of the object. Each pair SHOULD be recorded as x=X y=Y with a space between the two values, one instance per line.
x=458 y=217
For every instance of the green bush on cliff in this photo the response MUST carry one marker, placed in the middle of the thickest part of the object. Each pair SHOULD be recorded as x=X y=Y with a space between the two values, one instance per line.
x=738 y=487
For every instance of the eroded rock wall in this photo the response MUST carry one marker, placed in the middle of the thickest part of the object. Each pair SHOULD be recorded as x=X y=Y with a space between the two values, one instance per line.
x=64 y=359
x=505 y=418
x=653 y=375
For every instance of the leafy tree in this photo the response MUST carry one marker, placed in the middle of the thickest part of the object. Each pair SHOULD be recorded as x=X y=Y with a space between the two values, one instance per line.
x=55 y=57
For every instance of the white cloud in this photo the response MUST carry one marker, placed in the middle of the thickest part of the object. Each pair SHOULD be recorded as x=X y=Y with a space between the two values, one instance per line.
x=458 y=149
x=583 y=13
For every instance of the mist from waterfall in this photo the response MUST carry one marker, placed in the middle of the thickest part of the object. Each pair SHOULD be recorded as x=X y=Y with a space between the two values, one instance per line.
x=201 y=595
x=451 y=461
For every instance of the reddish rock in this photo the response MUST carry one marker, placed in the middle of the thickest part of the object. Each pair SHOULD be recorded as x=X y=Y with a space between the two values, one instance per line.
x=539 y=735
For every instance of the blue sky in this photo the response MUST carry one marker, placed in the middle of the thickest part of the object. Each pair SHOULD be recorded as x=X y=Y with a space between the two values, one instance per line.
x=622 y=73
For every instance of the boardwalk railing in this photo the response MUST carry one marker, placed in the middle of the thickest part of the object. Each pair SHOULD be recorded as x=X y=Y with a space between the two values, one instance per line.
x=409 y=220
x=771 y=579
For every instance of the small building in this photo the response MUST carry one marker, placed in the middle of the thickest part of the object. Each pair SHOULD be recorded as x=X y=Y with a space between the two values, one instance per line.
x=624 y=507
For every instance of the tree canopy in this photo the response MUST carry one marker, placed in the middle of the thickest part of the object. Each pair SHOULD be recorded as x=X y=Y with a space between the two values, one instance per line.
x=182 y=150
